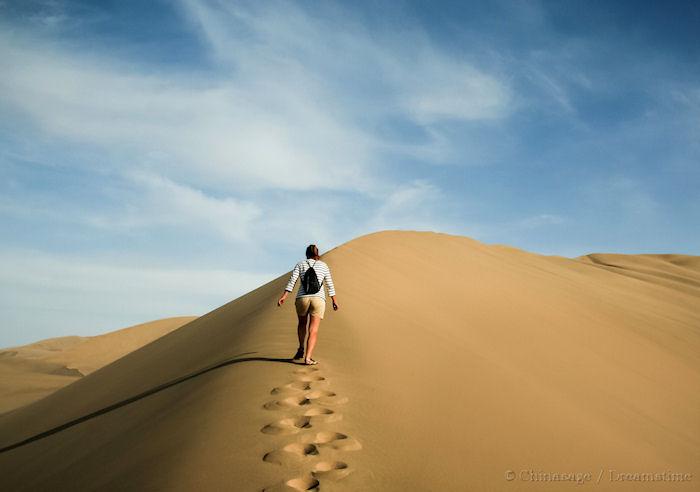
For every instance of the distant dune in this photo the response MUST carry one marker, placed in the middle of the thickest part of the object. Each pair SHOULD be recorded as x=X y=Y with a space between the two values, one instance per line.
x=30 y=372
x=451 y=365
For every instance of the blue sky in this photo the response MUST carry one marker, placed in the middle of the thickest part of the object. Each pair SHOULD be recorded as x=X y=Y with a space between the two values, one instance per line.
x=161 y=158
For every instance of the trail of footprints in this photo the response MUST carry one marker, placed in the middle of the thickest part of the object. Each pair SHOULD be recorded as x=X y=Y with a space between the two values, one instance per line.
x=307 y=442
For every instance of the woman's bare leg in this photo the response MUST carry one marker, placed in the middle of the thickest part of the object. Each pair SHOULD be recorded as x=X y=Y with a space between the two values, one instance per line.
x=301 y=331
x=313 y=331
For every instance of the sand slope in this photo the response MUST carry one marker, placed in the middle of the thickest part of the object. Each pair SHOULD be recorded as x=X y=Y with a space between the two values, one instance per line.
x=469 y=361
x=30 y=372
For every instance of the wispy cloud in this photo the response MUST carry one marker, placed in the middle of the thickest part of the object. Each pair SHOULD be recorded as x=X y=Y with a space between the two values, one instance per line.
x=409 y=76
x=208 y=131
x=160 y=201
x=418 y=205
x=282 y=104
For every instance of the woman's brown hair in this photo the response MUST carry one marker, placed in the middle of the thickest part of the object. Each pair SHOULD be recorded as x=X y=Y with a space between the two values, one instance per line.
x=312 y=252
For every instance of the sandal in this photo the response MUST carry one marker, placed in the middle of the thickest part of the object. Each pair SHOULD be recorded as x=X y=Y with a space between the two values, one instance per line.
x=310 y=362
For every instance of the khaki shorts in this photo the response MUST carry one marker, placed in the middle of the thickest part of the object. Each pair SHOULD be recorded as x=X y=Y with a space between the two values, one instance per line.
x=313 y=305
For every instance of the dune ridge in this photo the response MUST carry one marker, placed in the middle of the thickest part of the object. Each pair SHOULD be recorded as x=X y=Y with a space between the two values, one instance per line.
x=30 y=372
x=673 y=271
x=471 y=362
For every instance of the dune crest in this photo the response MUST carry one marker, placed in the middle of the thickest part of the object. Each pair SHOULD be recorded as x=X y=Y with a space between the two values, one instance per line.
x=30 y=372
x=467 y=367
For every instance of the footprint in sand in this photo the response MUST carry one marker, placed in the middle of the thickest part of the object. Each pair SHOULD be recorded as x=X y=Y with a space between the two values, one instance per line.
x=303 y=404
x=308 y=384
x=330 y=470
x=306 y=370
x=312 y=398
x=301 y=483
x=296 y=386
x=290 y=402
x=291 y=453
x=324 y=397
x=306 y=483
x=310 y=378
x=316 y=394
x=319 y=411
x=334 y=440
x=287 y=426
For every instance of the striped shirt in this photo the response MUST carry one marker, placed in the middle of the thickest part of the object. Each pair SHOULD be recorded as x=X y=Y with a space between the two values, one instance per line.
x=322 y=272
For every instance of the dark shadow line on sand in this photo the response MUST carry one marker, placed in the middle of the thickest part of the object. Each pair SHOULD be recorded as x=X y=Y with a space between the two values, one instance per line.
x=140 y=396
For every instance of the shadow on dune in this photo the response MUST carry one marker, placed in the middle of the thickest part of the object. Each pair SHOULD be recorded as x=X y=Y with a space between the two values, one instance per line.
x=237 y=359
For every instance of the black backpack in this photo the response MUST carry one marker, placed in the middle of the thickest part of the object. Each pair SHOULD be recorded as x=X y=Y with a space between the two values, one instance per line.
x=310 y=281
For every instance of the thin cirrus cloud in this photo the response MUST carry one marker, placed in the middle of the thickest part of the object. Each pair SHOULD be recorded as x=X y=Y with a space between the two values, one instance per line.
x=413 y=205
x=269 y=112
x=414 y=79
x=337 y=58
x=206 y=131
x=175 y=205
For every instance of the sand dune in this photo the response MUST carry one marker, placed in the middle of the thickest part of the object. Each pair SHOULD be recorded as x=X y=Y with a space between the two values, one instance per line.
x=468 y=365
x=673 y=271
x=30 y=372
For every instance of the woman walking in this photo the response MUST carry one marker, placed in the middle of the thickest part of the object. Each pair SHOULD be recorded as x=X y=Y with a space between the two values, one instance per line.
x=310 y=305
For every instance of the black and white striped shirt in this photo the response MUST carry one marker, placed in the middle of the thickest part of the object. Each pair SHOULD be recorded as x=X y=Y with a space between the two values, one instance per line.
x=322 y=272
